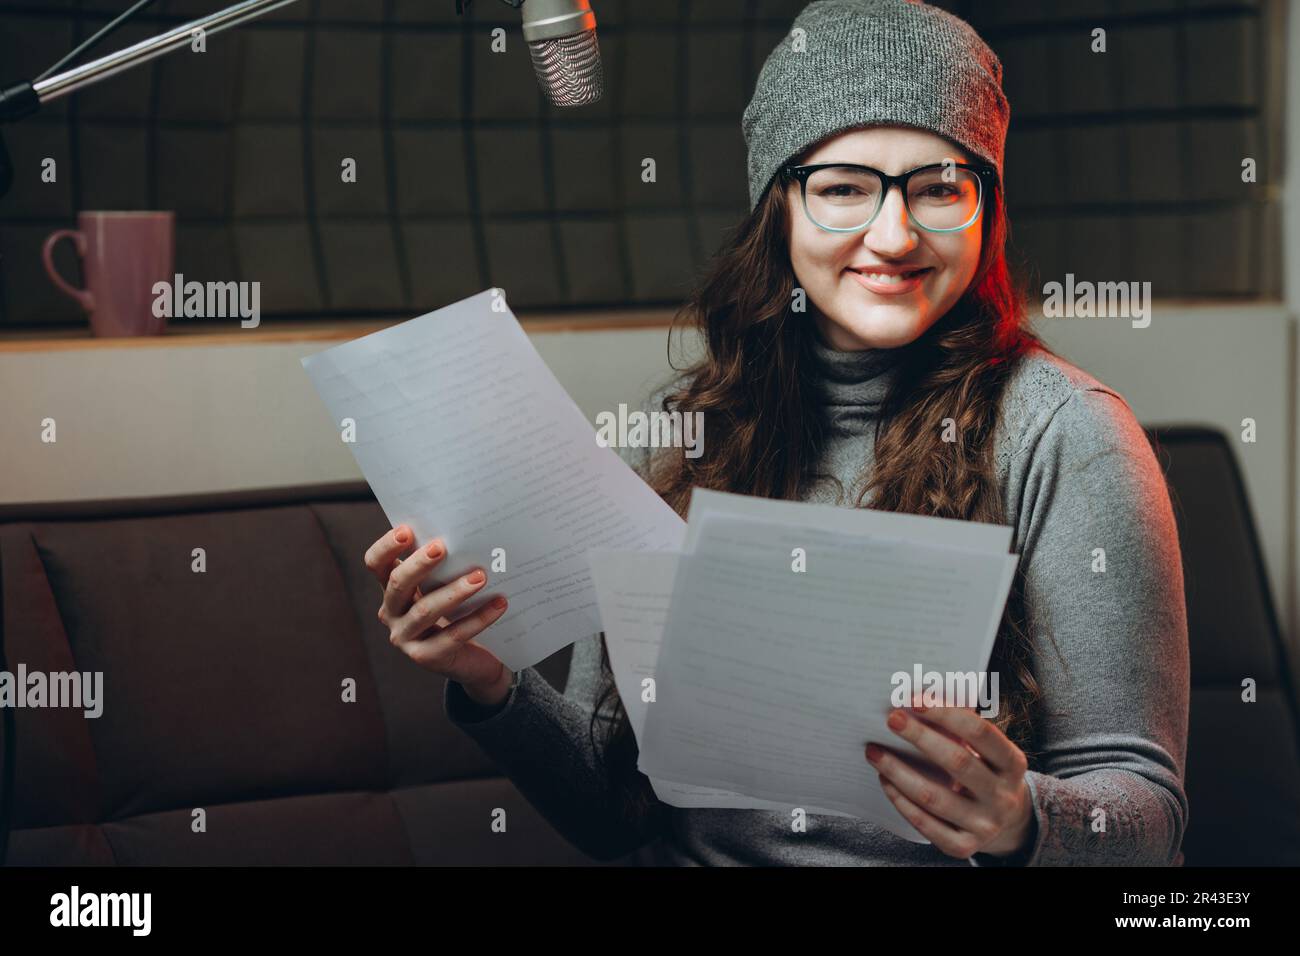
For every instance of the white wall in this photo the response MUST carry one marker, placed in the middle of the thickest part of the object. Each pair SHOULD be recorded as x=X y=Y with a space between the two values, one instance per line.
x=1291 y=183
x=185 y=418
x=1291 y=291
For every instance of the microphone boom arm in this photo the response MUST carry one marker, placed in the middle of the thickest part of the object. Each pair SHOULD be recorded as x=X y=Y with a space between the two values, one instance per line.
x=24 y=99
x=61 y=84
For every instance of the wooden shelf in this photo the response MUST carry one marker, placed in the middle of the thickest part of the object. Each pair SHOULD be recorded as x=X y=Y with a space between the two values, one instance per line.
x=181 y=333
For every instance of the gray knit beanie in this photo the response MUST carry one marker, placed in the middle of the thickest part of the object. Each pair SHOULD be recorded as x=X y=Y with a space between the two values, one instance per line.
x=871 y=62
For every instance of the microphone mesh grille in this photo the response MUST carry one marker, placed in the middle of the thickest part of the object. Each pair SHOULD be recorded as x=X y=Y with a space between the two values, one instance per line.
x=568 y=68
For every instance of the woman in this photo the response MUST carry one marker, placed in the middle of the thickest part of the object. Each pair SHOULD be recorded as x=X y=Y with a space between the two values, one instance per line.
x=864 y=343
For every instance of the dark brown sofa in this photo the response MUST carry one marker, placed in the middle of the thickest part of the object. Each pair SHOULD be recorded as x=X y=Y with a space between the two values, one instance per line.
x=223 y=690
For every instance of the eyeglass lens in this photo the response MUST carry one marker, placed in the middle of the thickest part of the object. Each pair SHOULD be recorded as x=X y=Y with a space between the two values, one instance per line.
x=841 y=197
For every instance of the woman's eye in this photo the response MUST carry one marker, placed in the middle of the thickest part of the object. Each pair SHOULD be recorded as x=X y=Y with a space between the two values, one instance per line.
x=939 y=191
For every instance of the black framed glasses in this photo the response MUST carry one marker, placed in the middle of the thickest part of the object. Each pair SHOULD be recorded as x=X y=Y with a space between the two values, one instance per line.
x=847 y=197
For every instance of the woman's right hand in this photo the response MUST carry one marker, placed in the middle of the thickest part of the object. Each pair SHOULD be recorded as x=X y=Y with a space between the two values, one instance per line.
x=417 y=622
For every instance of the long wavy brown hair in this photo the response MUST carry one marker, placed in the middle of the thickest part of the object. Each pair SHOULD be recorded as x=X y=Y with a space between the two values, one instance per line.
x=755 y=383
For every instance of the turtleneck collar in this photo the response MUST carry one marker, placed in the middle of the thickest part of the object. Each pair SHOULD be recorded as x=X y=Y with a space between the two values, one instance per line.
x=851 y=386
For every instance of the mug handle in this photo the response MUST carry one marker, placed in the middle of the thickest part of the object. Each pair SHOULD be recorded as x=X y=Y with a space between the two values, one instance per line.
x=84 y=298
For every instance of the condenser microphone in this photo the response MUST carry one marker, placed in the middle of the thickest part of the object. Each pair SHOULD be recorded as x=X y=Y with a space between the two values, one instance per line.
x=561 y=37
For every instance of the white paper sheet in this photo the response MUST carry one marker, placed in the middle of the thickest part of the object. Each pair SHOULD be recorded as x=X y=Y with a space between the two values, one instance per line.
x=916 y=529
x=770 y=682
x=634 y=590
x=463 y=432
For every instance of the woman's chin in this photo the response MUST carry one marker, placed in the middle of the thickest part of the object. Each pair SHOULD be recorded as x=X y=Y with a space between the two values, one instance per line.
x=881 y=327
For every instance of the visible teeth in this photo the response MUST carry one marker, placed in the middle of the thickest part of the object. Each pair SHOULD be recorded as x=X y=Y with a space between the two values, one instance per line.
x=887 y=278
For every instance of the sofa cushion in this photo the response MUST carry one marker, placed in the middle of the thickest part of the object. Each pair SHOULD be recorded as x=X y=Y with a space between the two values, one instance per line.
x=222 y=685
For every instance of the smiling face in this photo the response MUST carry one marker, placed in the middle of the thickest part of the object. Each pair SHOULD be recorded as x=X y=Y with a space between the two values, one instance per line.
x=884 y=286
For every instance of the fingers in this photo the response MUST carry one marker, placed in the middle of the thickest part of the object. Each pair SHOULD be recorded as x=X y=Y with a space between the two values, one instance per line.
x=382 y=556
x=419 y=623
x=971 y=805
x=951 y=756
x=982 y=734
x=424 y=614
x=400 y=592
x=452 y=651
x=950 y=840
x=929 y=791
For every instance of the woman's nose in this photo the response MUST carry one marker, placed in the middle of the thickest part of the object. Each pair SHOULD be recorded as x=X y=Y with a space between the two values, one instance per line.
x=892 y=234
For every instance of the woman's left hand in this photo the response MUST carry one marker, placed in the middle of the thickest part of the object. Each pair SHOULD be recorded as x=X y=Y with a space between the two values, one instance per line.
x=975 y=798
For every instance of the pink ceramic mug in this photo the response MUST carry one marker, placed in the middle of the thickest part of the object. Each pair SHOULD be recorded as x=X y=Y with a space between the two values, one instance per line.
x=124 y=255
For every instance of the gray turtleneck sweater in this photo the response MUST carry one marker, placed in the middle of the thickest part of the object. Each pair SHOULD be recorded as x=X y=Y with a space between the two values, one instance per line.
x=1078 y=475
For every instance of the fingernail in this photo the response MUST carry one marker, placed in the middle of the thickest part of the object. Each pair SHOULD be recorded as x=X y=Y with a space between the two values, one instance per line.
x=476 y=577
x=434 y=550
x=498 y=603
x=873 y=752
x=400 y=536
x=896 y=720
